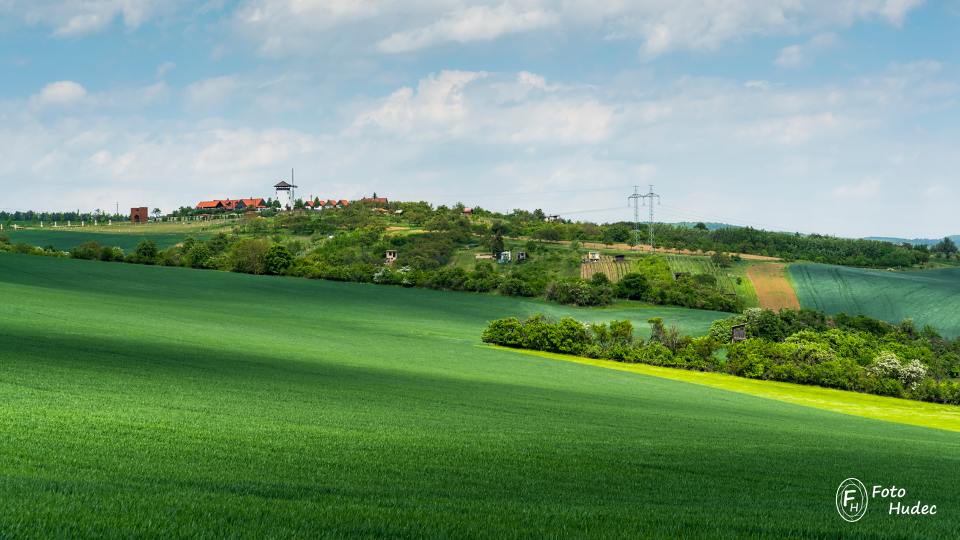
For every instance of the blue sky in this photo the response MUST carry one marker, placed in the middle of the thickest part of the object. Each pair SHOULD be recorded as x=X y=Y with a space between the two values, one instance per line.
x=822 y=116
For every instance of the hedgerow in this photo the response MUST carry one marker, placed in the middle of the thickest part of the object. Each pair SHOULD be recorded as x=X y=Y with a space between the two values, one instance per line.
x=804 y=348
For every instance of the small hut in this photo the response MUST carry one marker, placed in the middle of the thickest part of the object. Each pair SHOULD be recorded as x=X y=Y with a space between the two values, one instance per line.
x=738 y=333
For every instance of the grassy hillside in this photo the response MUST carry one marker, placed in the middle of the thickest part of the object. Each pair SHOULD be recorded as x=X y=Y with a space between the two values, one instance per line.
x=126 y=240
x=928 y=297
x=146 y=401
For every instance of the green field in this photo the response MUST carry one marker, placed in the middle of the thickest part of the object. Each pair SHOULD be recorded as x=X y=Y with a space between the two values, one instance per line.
x=149 y=401
x=928 y=297
x=726 y=277
x=127 y=240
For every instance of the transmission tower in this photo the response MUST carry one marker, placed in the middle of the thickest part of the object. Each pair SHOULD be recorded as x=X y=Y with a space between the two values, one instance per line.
x=639 y=199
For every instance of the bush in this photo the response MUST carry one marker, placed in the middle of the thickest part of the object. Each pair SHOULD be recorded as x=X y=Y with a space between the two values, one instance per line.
x=145 y=253
x=633 y=286
x=198 y=256
x=579 y=292
x=506 y=332
x=513 y=286
x=87 y=250
x=537 y=334
x=108 y=254
x=248 y=256
x=277 y=260
x=571 y=336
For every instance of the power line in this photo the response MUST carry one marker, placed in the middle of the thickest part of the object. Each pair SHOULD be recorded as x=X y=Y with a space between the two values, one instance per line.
x=637 y=199
x=575 y=212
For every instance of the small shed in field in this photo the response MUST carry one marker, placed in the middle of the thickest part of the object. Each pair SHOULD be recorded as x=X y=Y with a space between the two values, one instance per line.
x=391 y=256
x=506 y=257
x=738 y=333
x=593 y=256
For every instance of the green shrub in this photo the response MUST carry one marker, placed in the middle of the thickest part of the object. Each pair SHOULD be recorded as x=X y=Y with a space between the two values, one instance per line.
x=248 y=256
x=145 y=253
x=87 y=250
x=277 y=259
x=506 y=332
x=633 y=286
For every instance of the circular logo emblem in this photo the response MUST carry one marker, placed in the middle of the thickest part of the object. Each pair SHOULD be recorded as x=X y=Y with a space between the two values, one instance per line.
x=852 y=499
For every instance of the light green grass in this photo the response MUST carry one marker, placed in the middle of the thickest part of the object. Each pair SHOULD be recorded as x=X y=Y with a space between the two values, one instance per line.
x=928 y=296
x=164 y=402
x=905 y=411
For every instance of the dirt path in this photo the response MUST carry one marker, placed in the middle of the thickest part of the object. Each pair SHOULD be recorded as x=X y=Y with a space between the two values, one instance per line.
x=773 y=288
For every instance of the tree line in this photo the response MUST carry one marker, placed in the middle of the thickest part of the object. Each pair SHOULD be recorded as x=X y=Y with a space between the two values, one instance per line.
x=854 y=353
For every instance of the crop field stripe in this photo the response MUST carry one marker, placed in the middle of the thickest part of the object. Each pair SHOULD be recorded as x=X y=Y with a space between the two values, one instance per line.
x=773 y=287
x=902 y=411
x=926 y=296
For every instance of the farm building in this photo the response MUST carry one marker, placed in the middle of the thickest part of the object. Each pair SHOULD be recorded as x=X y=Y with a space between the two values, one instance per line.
x=506 y=257
x=209 y=205
x=252 y=203
x=320 y=204
x=391 y=256
x=139 y=215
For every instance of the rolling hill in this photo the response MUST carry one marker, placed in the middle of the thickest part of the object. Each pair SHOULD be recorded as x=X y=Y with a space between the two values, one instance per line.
x=928 y=296
x=914 y=241
x=150 y=401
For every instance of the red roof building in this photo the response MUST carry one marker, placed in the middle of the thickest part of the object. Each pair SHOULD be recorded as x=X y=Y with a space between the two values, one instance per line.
x=232 y=204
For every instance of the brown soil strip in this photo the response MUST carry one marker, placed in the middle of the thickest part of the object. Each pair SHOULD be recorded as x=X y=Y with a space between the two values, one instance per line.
x=773 y=288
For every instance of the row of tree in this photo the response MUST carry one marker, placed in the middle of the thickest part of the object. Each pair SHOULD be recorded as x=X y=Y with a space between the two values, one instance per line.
x=849 y=353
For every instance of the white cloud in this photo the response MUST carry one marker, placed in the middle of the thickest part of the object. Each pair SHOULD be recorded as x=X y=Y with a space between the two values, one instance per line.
x=658 y=26
x=165 y=68
x=791 y=56
x=60 y=93
x=798 y=129
x=78 y=17
x=795 y=56
x=762 y=86
x=865 y=189
x=453 y=104
x=474 y=23
x=436 y=107
x=212 y=92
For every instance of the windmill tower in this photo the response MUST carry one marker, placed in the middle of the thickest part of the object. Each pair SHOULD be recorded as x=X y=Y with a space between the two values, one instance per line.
x=285 y=193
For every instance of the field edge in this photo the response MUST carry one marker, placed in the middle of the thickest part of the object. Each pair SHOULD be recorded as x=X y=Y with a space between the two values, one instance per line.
x=887 y=409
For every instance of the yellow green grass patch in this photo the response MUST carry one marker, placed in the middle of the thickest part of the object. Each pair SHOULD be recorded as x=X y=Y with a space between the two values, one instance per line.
x=904 y=411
